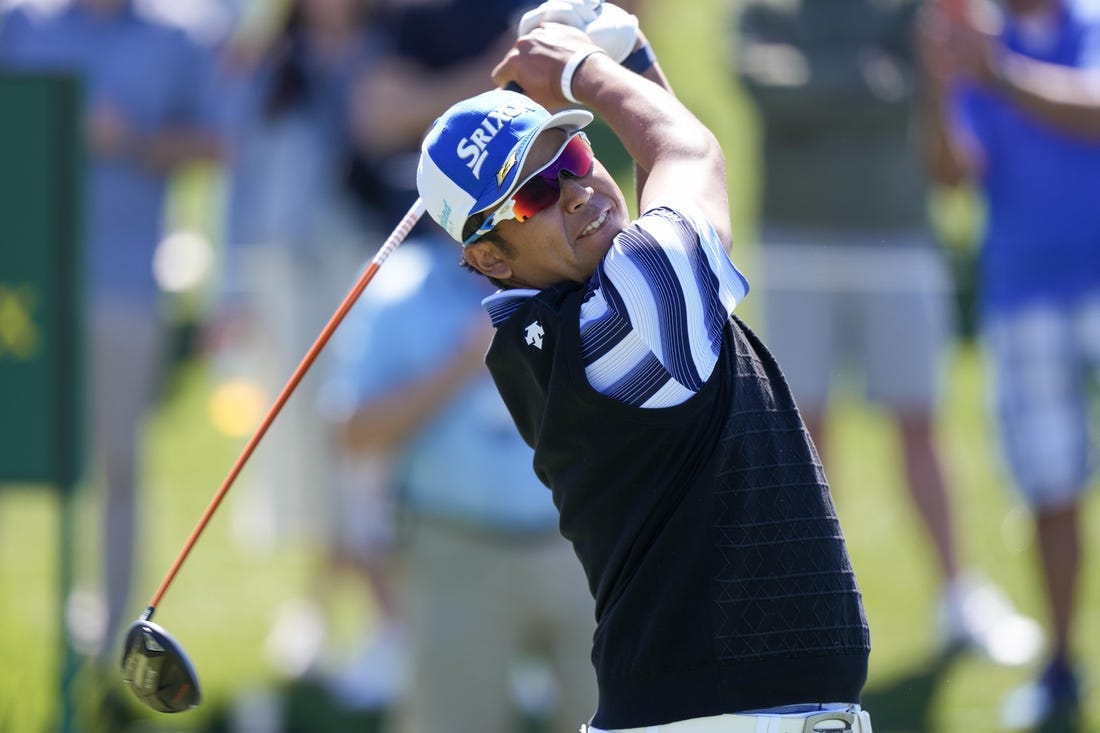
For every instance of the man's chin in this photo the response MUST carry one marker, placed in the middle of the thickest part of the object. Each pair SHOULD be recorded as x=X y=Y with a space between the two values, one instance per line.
x=607 y=234
x=594 y=249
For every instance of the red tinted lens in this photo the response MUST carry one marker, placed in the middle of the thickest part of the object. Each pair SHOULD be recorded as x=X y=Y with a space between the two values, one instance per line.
x=543 y=188
x=534 y=196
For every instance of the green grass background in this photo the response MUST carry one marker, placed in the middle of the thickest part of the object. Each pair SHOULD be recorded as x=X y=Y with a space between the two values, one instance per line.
x=222 y=604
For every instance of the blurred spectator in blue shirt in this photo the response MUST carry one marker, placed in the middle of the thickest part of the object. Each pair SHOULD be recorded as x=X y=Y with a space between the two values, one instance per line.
x=1017 y=111
x=148 y=109
x=431 y=55
x=489 y=578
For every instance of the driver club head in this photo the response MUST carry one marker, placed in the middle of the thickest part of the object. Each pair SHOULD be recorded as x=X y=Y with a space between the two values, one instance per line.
x=157 y=670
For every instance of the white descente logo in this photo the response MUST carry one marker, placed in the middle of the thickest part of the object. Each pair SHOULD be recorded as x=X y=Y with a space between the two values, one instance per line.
x=533 y=334
x=472 y=149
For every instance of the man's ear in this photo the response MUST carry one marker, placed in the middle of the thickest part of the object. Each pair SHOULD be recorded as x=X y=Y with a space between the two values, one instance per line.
x=486 y=258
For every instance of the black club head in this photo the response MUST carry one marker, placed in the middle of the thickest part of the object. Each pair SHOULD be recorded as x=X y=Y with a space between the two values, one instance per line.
x=157 y=670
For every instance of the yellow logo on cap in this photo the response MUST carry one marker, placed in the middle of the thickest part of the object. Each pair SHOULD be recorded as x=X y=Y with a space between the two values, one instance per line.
x=504 y=169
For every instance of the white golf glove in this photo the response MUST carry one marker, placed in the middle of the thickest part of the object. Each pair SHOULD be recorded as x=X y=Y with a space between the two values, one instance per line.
x=610 y=27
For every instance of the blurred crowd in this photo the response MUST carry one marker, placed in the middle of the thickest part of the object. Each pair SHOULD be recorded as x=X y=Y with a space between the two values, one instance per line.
x=864 y=108
x=396 y=451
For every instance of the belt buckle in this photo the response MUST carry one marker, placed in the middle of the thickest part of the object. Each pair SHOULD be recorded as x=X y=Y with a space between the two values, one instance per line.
x=833 y=721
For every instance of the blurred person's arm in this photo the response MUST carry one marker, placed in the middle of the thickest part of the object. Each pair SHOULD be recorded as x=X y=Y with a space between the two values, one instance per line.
x=1063 y=97
x=1060 y=96
x=383 y=423
x=950 y=158
x=190 y=134
x=395 y=99
x=111 y=136
x=169 y=149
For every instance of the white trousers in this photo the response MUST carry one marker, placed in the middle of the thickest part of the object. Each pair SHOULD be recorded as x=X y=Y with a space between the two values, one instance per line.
x=850 y=719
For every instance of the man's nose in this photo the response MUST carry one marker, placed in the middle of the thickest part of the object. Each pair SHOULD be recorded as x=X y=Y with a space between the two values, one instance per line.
x=574 y=194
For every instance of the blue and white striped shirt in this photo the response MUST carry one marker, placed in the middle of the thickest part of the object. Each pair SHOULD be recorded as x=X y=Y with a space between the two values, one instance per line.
x=652 y=318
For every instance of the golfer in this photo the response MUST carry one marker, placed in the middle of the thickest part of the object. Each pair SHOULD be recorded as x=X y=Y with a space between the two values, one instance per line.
x=683 y=474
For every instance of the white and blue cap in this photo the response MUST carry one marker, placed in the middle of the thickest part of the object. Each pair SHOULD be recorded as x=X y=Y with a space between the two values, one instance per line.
x=471 y=158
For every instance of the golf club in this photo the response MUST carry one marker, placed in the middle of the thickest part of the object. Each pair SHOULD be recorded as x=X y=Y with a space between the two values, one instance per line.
x=154 y=665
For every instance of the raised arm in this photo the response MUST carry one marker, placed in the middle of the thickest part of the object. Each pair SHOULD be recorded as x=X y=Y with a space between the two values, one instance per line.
x=1065 y=98
x=951 y=158
x=678 y=158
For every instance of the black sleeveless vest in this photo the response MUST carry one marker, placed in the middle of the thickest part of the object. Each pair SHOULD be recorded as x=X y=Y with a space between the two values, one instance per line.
x=706 y=530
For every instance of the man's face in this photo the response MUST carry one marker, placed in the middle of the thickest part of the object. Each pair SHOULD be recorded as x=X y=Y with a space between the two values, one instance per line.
x=563 y=242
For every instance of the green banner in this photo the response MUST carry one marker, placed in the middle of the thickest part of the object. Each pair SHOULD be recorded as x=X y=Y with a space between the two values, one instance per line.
x=40 y=279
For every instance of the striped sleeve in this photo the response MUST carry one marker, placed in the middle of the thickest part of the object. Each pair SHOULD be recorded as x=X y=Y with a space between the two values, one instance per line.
x=651 y=328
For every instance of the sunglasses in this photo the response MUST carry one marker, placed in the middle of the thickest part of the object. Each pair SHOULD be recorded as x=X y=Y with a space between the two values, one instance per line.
x=541 y=189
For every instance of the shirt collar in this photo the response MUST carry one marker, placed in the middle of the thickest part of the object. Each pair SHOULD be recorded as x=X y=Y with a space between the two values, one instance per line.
x=503 y=303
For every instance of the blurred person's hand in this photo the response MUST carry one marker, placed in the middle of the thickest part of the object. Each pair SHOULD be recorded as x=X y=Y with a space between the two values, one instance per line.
x=109 y=134
x=976 y=42
x=954 y=44
x=946 y=49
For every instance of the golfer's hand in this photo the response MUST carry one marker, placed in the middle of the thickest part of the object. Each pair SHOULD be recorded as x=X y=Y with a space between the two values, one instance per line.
x=537 y=59
x=576 y=13
x=610 y=27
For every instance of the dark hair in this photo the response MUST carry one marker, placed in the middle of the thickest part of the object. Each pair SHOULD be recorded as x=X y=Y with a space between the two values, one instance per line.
x=468 y=230
x=472 y=224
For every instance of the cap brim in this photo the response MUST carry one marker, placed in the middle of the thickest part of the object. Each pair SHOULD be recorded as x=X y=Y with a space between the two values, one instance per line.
x=570 y=120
